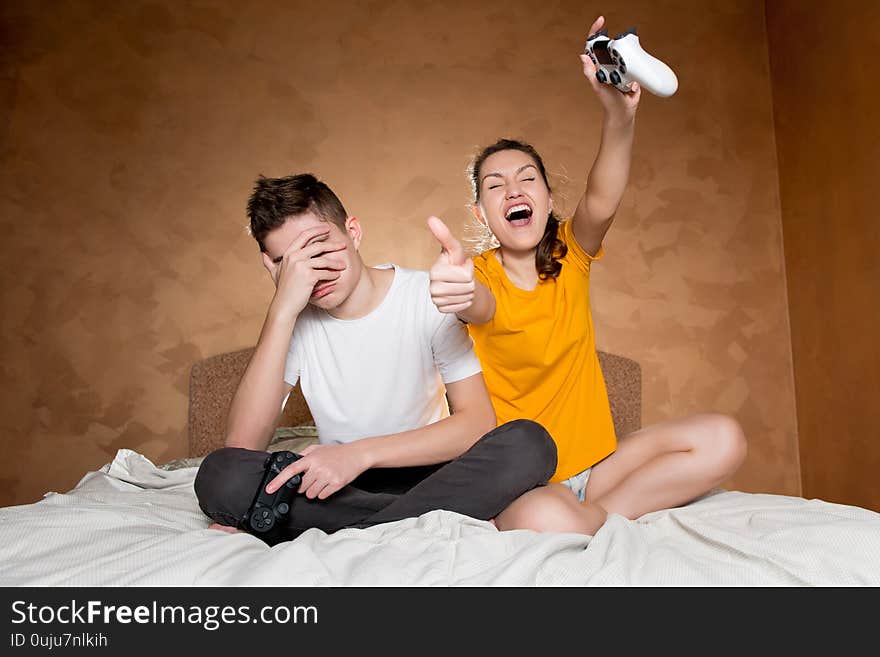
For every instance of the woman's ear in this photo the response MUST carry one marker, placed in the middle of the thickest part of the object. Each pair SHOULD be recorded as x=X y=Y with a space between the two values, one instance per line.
x=478 y=214
x=354 y=230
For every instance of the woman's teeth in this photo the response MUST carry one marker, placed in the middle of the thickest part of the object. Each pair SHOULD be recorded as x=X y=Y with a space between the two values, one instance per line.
x=518 y=212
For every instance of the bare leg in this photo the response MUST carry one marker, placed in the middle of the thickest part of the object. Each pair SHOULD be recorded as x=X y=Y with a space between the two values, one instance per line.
x=667 y=465
x=658 y=467
x=551 y=508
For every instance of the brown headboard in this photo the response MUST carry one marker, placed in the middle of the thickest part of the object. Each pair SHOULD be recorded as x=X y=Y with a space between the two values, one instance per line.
x=213 y=382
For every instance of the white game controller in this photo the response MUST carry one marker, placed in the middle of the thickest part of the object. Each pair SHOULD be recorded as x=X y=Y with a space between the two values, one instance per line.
x=621 y=61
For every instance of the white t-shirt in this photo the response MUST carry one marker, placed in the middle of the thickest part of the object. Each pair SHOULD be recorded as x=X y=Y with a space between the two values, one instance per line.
x=382 y=373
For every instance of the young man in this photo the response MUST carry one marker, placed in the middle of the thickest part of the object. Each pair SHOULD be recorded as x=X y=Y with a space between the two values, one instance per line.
x=373 y=357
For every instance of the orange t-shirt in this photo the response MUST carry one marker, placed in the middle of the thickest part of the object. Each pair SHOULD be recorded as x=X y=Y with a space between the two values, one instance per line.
x=539 y=357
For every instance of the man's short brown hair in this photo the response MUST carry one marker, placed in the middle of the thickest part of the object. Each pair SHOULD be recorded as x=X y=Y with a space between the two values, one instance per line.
x=275 y=200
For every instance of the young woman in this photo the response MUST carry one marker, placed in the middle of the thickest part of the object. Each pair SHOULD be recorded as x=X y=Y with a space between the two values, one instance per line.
x=527 y=306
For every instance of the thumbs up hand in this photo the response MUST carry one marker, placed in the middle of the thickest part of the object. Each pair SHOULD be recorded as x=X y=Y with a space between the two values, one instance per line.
x=452 y=276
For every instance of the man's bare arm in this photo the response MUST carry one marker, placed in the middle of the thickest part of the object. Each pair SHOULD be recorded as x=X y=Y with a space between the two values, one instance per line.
x=257 y=404
x=328 y=468
x=472 y=417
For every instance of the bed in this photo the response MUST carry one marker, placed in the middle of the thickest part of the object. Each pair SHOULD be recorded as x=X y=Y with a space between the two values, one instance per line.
x=133 y=522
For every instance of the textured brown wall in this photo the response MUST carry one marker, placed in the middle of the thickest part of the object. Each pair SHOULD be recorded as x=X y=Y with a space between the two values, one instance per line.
x=134 y=130
x=824 y=57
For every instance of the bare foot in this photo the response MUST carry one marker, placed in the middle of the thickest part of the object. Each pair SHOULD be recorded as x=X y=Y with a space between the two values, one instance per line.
x=225 y=528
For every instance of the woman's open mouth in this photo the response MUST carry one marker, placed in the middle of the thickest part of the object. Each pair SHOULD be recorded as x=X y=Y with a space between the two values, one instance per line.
x=519 y=215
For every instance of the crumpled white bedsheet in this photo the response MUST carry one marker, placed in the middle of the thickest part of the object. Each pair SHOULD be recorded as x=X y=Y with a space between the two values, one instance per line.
x=131 y=523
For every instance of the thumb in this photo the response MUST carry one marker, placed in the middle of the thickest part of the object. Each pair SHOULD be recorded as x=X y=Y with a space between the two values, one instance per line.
x=589 y=68
x=450 y=245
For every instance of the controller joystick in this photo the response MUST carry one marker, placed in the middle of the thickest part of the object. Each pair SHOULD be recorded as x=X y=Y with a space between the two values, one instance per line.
x=266 y=512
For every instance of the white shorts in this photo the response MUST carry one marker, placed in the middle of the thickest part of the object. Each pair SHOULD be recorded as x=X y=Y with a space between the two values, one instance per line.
x=578 y=484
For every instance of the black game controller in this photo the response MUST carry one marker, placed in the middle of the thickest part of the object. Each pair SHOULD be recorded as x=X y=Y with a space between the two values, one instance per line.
x=265 y=514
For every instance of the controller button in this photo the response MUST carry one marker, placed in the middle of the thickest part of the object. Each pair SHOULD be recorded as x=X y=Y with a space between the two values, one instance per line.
x=290 y=483
x=615 y=78
x=264 y=513
x=601 y=77
x=623 y=68
x=283 y=509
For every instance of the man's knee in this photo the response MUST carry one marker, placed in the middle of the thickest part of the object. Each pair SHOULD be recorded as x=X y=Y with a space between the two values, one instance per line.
x=227 y=482
x=527 y=449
